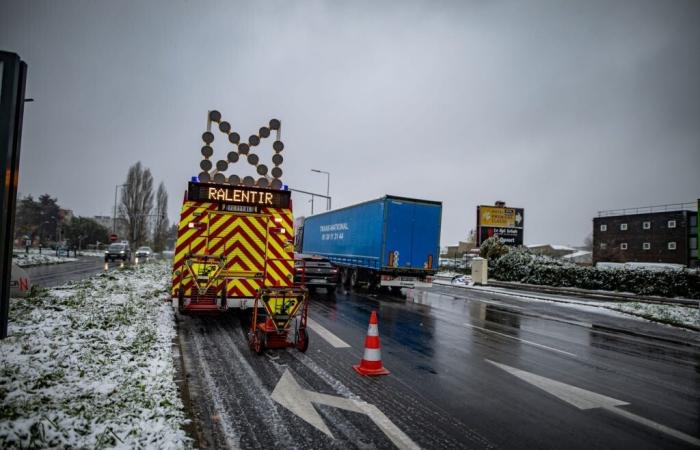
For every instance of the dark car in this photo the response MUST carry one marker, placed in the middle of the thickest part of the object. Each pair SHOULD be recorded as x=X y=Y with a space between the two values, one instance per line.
x=315 y=271
x=118 y=251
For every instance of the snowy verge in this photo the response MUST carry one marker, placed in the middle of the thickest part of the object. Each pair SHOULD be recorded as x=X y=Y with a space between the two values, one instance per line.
x=90 y=365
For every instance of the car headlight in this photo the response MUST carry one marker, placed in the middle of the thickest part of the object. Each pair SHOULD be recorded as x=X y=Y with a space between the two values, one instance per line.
x=121 y=251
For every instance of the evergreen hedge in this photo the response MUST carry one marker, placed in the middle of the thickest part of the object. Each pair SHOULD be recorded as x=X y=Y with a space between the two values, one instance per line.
x=522 y=266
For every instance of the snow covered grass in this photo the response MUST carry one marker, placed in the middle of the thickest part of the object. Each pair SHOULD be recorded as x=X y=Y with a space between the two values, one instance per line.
x=90 y=365
x=33 y=258
x=670 y=314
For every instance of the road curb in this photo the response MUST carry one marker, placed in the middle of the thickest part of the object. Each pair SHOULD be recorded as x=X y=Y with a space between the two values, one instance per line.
x=193 y=429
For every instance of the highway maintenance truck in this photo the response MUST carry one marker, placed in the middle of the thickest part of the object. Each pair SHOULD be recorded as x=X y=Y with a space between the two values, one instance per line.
x=391 y=241
x=235 y=243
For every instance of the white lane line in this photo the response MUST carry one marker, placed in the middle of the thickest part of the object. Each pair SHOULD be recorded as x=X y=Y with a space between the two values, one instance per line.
x=535 y=344
x=331 y=338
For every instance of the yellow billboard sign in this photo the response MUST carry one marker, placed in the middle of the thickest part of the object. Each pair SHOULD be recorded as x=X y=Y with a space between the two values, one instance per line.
x=496 y=216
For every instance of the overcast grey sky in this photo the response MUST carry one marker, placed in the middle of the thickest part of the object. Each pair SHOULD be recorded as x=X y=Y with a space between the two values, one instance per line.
x=563 y=108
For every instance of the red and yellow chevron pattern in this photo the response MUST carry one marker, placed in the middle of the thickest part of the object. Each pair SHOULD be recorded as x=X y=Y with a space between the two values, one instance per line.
x=258 y=249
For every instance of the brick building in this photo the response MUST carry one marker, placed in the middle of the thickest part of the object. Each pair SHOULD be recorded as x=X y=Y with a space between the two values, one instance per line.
x=654 y=236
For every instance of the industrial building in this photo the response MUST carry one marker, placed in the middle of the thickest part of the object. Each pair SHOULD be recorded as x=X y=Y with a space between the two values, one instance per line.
x=654 y=234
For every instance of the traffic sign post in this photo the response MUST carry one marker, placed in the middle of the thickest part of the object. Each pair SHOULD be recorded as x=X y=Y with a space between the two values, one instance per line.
x=13 y=76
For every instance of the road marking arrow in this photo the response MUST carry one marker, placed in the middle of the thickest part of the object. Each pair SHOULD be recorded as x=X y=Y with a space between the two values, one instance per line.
x=298 y=400
x=583 y=399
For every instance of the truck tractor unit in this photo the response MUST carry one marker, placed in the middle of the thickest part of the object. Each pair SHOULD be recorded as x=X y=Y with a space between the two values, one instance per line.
x=388 y=242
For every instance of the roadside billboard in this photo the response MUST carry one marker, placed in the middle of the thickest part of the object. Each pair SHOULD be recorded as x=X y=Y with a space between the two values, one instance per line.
x=504 y=222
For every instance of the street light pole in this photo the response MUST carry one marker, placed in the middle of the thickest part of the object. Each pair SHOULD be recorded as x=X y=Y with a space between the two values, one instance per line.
x=114 y=217
x=328 y=187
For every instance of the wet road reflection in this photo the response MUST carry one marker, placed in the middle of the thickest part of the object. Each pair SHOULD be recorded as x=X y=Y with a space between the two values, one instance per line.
x=437 y=341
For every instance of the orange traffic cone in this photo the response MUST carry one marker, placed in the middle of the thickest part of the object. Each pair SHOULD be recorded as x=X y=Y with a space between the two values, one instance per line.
x=371 y=363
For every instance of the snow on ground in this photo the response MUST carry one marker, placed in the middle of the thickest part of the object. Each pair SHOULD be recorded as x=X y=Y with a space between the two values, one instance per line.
x=96 y=253
x=671 y=314
x=90 y=365
x=677 y=315
x=33 y=258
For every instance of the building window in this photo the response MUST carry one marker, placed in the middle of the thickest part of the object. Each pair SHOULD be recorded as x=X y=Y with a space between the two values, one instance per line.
x=603 y=245
x=693 y=243
x=623 y=246
x=623 y=227
x=646 y=246
x=646 y=225
x=671 y=245
x=672 y=224
x=603 y=227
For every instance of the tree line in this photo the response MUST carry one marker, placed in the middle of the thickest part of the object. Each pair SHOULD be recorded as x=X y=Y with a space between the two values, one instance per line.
x=143 y=212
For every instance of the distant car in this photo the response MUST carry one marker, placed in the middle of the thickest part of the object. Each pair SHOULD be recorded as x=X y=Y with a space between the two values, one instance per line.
x=144 y=252
x=118 y=251
x=315 y=271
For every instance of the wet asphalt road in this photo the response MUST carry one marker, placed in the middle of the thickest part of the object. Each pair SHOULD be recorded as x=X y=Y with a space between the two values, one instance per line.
x=56 y=274
x=443 y=392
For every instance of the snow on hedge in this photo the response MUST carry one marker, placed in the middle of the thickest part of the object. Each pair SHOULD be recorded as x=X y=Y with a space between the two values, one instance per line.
x=36 y=259
x=522 y=266
x=90 y=365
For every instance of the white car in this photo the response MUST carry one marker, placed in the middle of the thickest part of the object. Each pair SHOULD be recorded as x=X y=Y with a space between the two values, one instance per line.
x=144 y=253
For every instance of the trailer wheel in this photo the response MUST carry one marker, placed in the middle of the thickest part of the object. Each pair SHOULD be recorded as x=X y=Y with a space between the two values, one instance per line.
x=354 y=279
x=346 y=277
x=396 y=291
x=257 y=342
x=302 y=340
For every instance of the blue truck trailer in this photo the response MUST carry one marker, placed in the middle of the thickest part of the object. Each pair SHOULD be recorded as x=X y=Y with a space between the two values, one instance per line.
x=391 y=241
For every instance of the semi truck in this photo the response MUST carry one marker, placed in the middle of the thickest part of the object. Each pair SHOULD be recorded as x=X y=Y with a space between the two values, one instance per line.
x=389 y=242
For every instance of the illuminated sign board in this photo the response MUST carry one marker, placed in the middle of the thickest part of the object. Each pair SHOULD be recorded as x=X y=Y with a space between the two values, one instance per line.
x=238 y=198
x=504 y=222
x=494 y=216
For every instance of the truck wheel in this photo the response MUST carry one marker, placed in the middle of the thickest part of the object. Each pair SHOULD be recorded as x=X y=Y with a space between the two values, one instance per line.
x=181 y=300
x=224 y=304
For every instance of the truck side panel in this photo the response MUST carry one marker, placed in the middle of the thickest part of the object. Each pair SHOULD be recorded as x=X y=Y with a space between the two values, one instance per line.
x=349 y=236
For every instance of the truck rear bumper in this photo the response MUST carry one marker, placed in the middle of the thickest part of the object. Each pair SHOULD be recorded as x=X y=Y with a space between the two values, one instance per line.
x=235 y=303
x=406 y=281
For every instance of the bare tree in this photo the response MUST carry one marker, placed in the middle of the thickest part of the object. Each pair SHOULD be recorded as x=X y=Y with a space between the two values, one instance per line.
x=160 y=228
x=137 y=203
x=588 y=242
